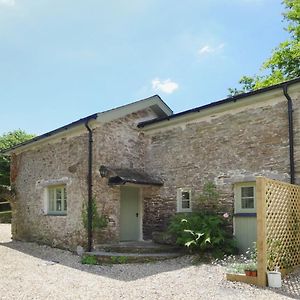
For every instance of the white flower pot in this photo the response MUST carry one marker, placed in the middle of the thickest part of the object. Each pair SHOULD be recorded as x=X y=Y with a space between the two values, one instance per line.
x=274 y=279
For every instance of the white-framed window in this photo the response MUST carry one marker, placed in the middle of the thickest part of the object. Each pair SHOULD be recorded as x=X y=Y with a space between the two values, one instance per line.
x=244 y=194
x=57 y=200
x=184 y=200
x=247 y=197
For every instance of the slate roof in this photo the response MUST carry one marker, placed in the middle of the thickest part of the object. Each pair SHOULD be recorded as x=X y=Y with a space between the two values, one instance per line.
x=120 y=176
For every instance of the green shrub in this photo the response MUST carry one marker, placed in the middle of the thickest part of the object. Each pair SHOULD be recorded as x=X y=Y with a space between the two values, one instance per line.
x=209 y=198
x=202 y=232
x=89 y=260
x=119 y=259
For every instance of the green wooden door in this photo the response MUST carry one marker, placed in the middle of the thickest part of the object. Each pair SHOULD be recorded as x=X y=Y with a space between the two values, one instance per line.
x=130 y=214
x=245 y=215
x=245 y=232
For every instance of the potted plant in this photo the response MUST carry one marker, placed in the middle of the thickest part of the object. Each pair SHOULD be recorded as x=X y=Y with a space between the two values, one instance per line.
x=250 y=269
x=235 y=268
x=274 y=254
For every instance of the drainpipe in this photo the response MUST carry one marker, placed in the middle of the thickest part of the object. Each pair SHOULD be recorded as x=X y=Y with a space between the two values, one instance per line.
x=90 y=187
x=291 y=133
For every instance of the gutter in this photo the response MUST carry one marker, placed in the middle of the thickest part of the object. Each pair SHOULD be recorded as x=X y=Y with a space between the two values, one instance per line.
x=51 y=133
x=233 y=99
x=291 y=133
x=90 y=187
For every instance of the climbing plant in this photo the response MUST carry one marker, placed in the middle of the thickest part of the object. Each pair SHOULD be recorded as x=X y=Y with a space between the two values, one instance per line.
x=98 y=221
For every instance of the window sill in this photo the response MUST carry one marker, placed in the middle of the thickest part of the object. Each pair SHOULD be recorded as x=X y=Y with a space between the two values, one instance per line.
x=56 y=214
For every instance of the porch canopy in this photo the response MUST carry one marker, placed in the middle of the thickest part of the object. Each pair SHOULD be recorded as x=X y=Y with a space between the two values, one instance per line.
x=120 y=176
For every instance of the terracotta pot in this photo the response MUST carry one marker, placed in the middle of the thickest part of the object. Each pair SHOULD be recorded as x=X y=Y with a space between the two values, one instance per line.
x=248 y=272
x=254 y=273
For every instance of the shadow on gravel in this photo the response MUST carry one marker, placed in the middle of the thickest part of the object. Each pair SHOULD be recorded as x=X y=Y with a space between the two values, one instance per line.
x=125 y=272
x=290 y=286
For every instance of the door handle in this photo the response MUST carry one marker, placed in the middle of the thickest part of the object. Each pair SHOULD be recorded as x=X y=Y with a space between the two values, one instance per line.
x=137 y=215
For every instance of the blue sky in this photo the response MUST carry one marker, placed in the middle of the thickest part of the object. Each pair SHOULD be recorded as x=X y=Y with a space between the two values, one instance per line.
x=61 y=60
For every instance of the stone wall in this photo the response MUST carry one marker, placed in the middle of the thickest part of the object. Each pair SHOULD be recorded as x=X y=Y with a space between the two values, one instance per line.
x=62 y=162
x=233 y=146
x=117 y=143
x=296 y=115
x=226 y=148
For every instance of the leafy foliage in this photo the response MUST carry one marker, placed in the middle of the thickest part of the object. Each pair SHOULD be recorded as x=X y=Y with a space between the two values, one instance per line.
x=205 y=230
x=202 y=232
x=209 y=198
x=284 y=62
x=89 y=260
x=99 y=221
x=5 y=217
x=237 y=264
x=119 y=259
x=278 y=255
x=9 y=140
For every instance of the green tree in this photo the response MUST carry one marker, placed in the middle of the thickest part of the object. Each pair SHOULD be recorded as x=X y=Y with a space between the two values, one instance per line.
x=7 y=141
x=284 y=62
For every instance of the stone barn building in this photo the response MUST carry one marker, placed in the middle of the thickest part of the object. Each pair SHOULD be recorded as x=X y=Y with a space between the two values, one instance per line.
x=139 y=164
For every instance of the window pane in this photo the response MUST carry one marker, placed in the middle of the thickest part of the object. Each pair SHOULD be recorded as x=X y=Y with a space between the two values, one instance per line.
x=185 y=204
x=58 y=205
x=185 y=195
x=247 y=202
x=57 y=199
x=65 y=199
x=51 y=200
x=58 y=193
x=247 y=191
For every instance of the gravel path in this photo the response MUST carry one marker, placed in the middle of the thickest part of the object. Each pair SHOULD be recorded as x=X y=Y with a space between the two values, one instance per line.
x=30 y=271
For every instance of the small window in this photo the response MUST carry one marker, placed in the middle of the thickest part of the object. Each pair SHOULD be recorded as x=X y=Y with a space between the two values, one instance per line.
x=184 y=200
x=247 y=197
x=244 y=195
x=57 y=200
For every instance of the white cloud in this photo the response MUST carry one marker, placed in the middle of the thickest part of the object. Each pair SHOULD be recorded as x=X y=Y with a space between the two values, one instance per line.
x=166 y=86
x=207 y=49
x=7 y=2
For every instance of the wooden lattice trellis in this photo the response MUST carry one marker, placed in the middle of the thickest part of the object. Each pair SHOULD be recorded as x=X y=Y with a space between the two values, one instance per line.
x=278 y=226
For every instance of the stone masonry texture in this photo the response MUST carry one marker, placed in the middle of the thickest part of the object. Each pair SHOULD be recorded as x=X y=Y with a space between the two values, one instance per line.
x=117 y=144
x=234 y=146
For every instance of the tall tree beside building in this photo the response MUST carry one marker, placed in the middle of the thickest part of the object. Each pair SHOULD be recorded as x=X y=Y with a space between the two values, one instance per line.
x=9 y=140
x=284 y=62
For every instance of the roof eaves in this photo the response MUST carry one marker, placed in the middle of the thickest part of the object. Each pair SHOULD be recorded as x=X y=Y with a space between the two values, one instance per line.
x=51 y=133
x=167 y=110
x=220 y=102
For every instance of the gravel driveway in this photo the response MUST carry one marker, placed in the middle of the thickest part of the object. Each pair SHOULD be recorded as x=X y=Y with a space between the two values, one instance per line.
x=30 y=271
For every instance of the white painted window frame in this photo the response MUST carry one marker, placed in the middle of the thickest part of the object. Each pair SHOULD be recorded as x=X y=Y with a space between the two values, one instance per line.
x=238 y=197
x=180 y=200
x=64 y=197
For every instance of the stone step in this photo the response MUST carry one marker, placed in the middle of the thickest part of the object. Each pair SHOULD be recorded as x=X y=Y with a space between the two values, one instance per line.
x=136 y=247
x=122 y=258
